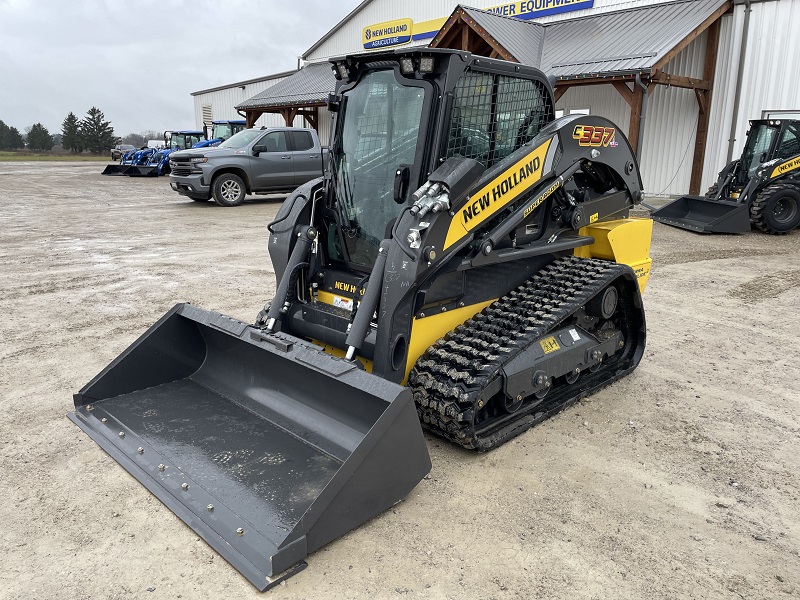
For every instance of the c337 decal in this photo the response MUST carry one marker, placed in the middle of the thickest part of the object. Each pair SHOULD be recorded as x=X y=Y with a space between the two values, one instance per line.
x=595 y=136
x=498 y=193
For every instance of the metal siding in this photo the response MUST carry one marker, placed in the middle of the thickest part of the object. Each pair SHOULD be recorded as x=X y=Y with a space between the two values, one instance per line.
x=223 y=101
x=730 y=38
x=348 y=39
x=769 y=81
x=671 y=126
x=601 y=100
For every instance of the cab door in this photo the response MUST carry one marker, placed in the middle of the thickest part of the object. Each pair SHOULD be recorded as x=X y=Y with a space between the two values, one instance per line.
x=273 y=167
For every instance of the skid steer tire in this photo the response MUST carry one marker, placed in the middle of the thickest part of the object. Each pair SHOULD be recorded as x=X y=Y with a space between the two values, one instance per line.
x=776 y=208
x=228 y=190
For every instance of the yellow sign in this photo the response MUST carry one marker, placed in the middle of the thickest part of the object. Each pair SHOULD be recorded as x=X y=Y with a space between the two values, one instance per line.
x=498 y=193
x=390 y=33
x=789 y=165
x=549 y=345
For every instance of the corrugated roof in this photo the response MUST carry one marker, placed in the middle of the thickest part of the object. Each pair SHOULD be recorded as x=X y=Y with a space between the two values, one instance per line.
x=309 y=85
x=635 y=39
x=624 y=41
x=523 y=39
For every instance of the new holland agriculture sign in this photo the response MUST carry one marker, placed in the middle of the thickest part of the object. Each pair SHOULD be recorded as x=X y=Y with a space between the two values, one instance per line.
x=402 y=31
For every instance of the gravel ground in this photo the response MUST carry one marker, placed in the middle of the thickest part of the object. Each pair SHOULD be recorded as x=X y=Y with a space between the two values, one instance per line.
x=680 y=481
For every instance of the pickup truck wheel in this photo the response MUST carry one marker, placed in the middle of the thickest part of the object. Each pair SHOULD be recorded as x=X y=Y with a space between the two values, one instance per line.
x=228 y=190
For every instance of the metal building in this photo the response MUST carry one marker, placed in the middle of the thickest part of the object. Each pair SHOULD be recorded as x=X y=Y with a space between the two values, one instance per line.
x=680 y=77
x=219 y=103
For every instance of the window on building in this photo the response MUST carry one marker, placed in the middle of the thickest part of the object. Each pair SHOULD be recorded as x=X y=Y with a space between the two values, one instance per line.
x=580 y=111
x=559 y=113
x=780 y=114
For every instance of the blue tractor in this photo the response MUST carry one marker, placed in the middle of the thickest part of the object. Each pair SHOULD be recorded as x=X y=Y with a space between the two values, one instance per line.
x=219 y=131
x=157 y=161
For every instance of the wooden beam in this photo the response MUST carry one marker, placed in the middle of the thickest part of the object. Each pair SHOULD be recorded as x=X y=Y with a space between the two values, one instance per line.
x=460 y=35
x=252 y=117
x=595 y=80
x=681 y=81
x=624 y=91
x=464 y=36
x=637 y=96
x=559 y=92
x=713 y=18
x=704 y=106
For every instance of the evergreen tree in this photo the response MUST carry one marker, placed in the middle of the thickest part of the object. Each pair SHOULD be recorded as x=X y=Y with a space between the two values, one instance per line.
x=14 y=139
x=3 y=135
x=97 y=133
x=39 y=138
x=71 y=139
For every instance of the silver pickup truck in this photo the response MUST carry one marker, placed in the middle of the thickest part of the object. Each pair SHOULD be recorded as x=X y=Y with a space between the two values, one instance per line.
x=254 y=161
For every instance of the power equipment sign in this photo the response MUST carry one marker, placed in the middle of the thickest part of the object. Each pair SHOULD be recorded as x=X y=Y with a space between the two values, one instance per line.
x=498 y=193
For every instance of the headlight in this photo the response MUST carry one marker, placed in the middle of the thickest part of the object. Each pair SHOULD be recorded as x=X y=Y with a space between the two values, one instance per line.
x=199 y=160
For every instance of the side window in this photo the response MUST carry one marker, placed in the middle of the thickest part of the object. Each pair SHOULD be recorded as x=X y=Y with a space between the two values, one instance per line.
x=301 y=140
x=275 y=141
x=790 y=142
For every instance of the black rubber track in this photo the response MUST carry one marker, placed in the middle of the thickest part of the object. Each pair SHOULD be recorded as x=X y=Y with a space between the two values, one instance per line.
x=449 y=379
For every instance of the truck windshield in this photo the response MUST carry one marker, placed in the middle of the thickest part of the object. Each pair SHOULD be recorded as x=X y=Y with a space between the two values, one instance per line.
x=379 y=127
x=242 y=139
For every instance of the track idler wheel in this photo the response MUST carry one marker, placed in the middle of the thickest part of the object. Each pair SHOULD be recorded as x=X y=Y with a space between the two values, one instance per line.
x=573 y=375
x=604 y=304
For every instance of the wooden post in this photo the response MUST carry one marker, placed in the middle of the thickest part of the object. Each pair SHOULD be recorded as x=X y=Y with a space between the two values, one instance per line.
x=636 y=100
x=252 y=117
x=704 y=108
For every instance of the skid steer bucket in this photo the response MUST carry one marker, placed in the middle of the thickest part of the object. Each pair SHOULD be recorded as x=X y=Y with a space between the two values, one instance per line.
x=143 y=171
x=705 y=216
x=263 y=444
x=115 y=169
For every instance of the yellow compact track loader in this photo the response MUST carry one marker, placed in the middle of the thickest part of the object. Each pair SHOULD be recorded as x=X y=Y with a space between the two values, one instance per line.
x=466 y=265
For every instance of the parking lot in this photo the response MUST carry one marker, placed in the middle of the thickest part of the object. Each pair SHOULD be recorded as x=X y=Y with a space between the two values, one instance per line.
x=680 y=481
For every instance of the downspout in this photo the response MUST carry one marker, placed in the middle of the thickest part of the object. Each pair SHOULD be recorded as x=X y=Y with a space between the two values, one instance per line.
x=642 y=118
x=739 y=74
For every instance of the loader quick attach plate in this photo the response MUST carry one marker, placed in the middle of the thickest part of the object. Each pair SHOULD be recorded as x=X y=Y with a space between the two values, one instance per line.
x=263 y=444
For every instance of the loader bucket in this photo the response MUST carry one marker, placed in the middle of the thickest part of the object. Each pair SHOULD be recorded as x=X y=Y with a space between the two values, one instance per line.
x=263 y=444
x=115 y=169
x=143 y=171
x=705 y=216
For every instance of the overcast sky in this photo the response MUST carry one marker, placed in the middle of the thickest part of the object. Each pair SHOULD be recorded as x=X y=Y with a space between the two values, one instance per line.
x=139 y=60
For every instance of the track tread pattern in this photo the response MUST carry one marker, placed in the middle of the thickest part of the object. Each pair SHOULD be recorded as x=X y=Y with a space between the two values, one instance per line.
x=448 y=379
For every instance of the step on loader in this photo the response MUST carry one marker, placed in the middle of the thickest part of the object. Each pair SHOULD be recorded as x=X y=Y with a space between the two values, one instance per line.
x=761 y=188
x=466 y=265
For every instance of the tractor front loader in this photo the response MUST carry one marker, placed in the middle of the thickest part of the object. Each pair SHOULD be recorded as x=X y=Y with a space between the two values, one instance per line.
x=466 y=265
x=761 y=188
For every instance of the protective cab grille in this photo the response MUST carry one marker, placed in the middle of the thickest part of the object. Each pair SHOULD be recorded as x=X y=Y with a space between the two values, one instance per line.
x=493 y=115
